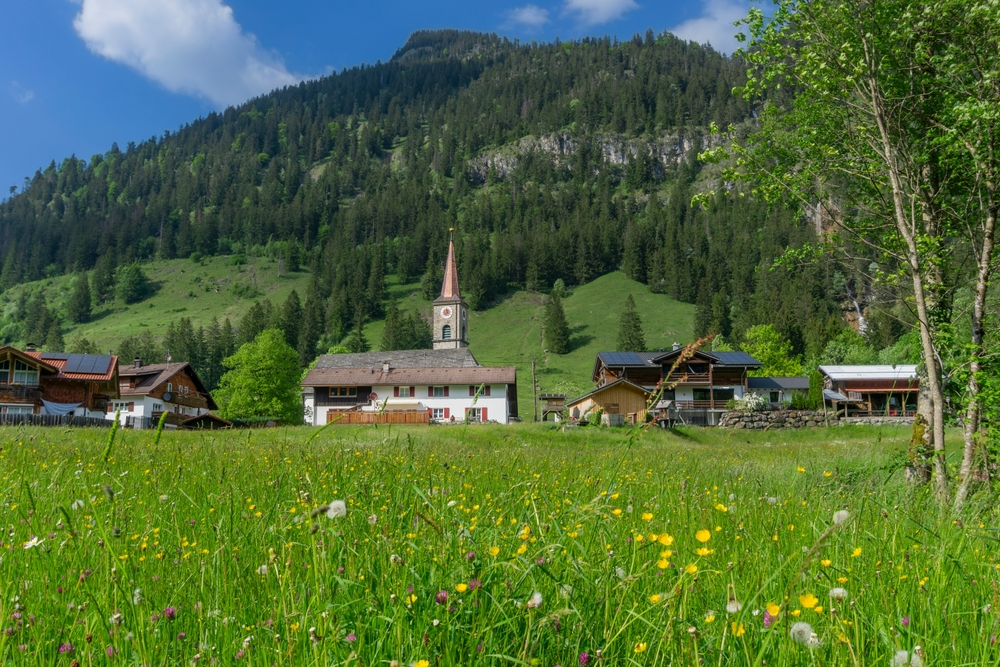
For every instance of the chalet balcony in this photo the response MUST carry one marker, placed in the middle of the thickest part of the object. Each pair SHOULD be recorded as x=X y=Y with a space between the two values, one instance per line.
x=173 y=419
x=188 y=400
x=17 y=393
x=341 y=401
x=700 y=405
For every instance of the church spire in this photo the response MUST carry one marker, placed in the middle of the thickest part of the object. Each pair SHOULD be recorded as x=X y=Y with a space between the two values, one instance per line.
x=449 y=287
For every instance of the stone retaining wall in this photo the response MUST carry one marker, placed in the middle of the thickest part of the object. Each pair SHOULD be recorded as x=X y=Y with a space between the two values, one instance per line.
x=774 y=419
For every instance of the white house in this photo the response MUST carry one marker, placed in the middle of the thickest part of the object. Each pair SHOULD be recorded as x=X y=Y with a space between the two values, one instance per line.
x=778 y=389
x=444 y=385
x=147 y=391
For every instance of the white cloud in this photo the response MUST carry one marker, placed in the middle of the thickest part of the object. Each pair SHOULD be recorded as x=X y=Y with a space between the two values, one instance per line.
x=715 y=25
x=21 y=94
x=529 y=16
x=593 y=12
x=188 y=46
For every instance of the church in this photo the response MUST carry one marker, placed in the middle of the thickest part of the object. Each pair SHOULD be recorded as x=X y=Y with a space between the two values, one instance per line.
x=441 y=385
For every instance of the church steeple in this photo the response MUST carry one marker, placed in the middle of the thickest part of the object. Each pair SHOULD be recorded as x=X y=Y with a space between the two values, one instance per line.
x=451 y=313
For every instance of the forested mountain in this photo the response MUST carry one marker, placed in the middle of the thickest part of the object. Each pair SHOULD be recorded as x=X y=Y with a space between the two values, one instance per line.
x=551 y=161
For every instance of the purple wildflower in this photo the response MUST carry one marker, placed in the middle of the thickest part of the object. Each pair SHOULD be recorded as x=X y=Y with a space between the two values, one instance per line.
x=110 y=651
x=66 y=648
x=170 y=613
x=471 y=556
x=475 y=584
x=441 y=597
x=240 y=654
x=584 y=659
x=905 y=621
x=351 y=637
x=768 y=619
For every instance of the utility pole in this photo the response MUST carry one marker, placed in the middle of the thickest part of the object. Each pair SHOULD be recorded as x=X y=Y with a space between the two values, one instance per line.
x=534 y=394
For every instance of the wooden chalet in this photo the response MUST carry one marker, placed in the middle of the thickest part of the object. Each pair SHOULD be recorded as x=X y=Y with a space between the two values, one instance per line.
x=705 y=382
x=56 y=383
x=871 y=391
x=148 y=390
x=617 y=402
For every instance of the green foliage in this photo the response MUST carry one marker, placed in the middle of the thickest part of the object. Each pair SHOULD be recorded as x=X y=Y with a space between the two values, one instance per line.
x=630 y=335
x=80 y=304
x=404 y=331
x=263 y=381
x=848 y=348
x=356 y=341
x=556 y=328
x=142 y=346
x=767 y=346
x=81 y=345
x=131 y=284
x=53 y=338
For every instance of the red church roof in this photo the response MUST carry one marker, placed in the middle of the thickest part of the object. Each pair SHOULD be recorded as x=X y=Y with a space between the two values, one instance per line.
x=449 y=287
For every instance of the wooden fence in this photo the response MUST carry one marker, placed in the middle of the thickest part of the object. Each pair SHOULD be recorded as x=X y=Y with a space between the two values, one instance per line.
x=53 y=420
x=388 y=417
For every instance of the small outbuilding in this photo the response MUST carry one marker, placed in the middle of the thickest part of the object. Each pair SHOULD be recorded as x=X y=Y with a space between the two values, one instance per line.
x=619 y=402
x=871 y=391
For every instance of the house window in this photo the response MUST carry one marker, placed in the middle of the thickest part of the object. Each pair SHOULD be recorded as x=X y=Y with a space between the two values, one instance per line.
x=724 y=394
x=437 y=391
x=17 y=409
x=437 y=413
x=446 y=332
x=4 y=372
x=701 y=394
x=774 y=397
x=119 y=405
x=170 y=386
x=343 y=391
x=404 y=392
x=25 y=374
x=668 y=395
x=474 y=415
x=157 y=407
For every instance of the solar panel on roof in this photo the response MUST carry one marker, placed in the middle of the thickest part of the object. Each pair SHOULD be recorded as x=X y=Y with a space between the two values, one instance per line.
x=87 y=363
x=54 y=355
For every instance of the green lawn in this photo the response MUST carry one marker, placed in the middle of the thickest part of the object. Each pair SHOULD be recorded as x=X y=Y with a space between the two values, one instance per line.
x=487 y=545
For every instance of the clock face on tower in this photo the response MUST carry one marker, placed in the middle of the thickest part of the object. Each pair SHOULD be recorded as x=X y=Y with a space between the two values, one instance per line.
x=446 y=312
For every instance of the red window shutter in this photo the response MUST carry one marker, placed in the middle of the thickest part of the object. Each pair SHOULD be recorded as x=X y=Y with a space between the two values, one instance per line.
x=413 y=392
x=446 y=391
x=472 y=390
x=430 y=412
x=484 y=414
x=395 y=392
x=447 y=413
x=131 y=407
x=430 y=392
x=487 y=392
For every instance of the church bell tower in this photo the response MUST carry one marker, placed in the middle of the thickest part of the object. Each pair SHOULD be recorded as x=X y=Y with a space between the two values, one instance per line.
x=451 y=313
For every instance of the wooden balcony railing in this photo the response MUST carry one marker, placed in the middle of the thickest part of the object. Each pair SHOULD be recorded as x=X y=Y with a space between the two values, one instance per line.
x=10 y=392
x=189 y=400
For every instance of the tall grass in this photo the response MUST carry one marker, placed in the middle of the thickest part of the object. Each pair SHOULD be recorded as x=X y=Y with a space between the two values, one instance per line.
x=217 y=548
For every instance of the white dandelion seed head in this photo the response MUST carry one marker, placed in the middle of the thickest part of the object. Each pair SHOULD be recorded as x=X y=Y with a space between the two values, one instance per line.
x=813 y=641
x=772 y=500
x=802 y=632
x=137 y=596
x=373 y=519
x=566 y=591
x=620 y=572
x=838 y=593
x=840 y=517
x=733 y=606
x=164 y=498
x=395 y=559
x=336 y=509
x=452 y=503
x=77 y=505
x=262 y=570
x=436 y=622
x=535 y=601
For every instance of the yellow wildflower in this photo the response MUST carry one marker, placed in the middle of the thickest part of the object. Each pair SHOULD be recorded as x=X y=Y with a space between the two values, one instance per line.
x=703 y=536
x=738 y=630
x=647 y=516
x=461 y=588
x=691 y=569
x=808 y=600
x=655 y=599
x=494 y=551
x=639 y=647
x=856 y=552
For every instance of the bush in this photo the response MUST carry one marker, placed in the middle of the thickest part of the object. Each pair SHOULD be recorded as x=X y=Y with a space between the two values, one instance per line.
x=750 y=403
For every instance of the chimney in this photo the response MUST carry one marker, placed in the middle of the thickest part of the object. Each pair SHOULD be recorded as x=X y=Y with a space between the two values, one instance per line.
x=30 y=347
x=677 y=346
x=385 y=366
x=138 y=362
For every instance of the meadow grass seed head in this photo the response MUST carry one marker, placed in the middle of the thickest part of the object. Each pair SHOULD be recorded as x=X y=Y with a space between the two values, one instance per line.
x=840 y=517
x=336 y=509
x=801 y=632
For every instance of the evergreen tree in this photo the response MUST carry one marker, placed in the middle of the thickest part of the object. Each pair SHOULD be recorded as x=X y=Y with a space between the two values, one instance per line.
x=356 y=341
x=82 y=345
x=430 y=283
x=37 y=319
x=131 y=283
x=418 y=334
x=259 y=317
x=54 y=339
x=79 y=307
x=291 y=319
x=630 y=335
x=556 y=328
x=392 y=331
x=104 y=278
x=142 y=346
x=312 y=326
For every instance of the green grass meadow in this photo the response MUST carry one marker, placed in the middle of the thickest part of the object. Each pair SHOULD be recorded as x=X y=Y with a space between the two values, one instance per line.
x=486 y=545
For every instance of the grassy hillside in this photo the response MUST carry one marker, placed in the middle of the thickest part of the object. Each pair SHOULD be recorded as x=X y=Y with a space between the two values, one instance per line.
x=510 y=333
x=198 y=290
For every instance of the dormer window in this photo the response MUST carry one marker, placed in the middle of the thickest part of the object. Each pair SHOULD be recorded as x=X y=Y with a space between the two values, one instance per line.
x=446 y=332
x=25 y=374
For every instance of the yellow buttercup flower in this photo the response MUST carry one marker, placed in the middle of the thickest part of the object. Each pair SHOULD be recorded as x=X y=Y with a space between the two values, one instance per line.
x=710 y=618
x=647 y=516
x=856 y=552
x=827 y=473
x=494 y=551
x=796 y=612
x=521 y=549
x=461 y=588
x=655 y=599
x=663 y=563
x=665 y=540
x=738 y=630
x=617 y=511
x=410 y=599
x=691 y=569
x=421 y=663
x=801 y=469
x=703 y=535
x=721 y=507
x=818 y=610
x=702 y=551
x=773 y=609
x=825 y=562
x=639 y=647
x=808 y=600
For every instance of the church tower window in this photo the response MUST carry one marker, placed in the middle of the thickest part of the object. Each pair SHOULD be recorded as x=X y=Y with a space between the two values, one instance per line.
x=446 y=332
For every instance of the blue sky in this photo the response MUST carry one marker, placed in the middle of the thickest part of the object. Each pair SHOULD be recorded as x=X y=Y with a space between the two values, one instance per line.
x=81 y=74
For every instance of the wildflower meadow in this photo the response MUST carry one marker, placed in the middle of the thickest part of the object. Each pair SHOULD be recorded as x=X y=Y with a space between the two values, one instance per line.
x=486 y=546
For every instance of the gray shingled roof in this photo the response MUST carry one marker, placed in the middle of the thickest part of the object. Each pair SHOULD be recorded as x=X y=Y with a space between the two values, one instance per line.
x=460 y=358
x=368 y=377
x=778 y=383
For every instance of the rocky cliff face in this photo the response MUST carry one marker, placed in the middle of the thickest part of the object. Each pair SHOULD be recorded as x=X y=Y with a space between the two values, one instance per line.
x=666 y=152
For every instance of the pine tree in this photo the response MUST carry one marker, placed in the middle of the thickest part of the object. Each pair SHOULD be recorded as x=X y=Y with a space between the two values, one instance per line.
x=630 y=335
x=312 y=326
x=54 y=339
x=131 y=283
x=392 y=332
x=356 y=342
x=556 y=329
x=79 y=307
x=257 y=319
x=291 y=319
x=418 y=332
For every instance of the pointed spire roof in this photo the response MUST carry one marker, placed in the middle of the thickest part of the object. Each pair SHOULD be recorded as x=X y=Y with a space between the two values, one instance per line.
x=449 y=287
